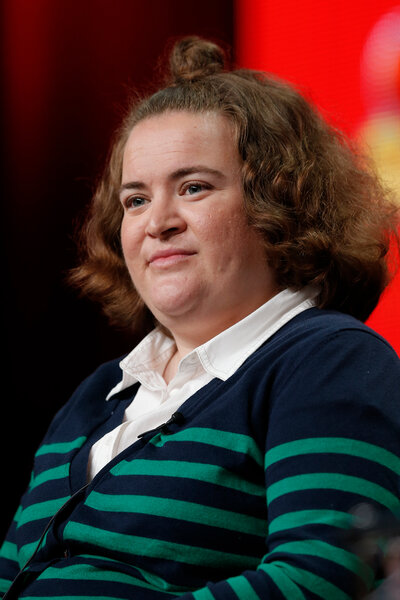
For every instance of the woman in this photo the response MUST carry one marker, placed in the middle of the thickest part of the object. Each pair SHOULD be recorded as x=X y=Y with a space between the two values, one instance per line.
x=223 y=456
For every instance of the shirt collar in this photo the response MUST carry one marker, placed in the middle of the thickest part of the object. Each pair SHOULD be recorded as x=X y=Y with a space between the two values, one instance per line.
x=225 y=353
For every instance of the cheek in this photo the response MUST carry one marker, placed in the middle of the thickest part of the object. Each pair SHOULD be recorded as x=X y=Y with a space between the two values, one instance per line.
x=228 y=230
x=130 y=240
x=237 y=245
x=215 y=224
x=226 y=242
x=131 y=243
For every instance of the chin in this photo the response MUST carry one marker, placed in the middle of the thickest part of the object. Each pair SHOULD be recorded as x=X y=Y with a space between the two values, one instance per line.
x=166 y=312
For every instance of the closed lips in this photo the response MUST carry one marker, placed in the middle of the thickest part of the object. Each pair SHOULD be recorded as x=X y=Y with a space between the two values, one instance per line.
x=170 y=252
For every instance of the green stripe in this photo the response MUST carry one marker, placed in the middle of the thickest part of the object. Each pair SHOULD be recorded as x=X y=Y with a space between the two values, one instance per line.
x=9 y=551
x=51 y=474
x=333 y=481
x=279 y=576
x=203 y=594
x=315 y=584
x=26 y=551
x=4 y=584
x=299 y=518
x=326 y=551
x=74 y=597
x=132 y=544
x=61 y=447
x=91 y=573
x=153 y=580
x=41 y=510
x=334 y=446
x=178 y=509
x=188 y=470
x=243 y=588
x=235 y=442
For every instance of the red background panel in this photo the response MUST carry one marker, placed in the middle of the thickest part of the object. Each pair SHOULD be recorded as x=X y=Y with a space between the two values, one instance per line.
x=318 y=46
x=315 y=44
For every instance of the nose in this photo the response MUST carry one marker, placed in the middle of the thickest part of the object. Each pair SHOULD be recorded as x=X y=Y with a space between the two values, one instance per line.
x=164 y=218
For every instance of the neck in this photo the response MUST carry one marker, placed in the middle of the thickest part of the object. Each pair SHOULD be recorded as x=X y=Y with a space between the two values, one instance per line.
x=172 y=365
x=189 y=334
x=171 y=368
x=192 y=330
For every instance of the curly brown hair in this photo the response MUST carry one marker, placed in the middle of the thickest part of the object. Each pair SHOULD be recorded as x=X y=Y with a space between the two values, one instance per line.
x=323 y=214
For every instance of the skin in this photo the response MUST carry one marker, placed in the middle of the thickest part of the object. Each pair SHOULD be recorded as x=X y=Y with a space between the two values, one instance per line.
x=190 y=252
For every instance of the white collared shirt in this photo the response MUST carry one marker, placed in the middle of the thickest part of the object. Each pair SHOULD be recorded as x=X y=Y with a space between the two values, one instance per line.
x=220 y=357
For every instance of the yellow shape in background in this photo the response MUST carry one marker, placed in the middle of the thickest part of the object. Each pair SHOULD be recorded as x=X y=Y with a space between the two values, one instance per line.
x=380 y=135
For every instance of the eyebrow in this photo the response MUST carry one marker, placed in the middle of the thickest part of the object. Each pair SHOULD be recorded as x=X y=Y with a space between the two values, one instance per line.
x=140 y=185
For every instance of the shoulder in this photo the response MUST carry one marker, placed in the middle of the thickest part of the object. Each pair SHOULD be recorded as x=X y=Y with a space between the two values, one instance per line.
x=332 y=368
x=318 y=342
x=323 y=361
x=104 y=378
x=318 y=339
x=320 y=359
x=319 y=323
x=315 y=330
x=88 y=395
x=331 y=342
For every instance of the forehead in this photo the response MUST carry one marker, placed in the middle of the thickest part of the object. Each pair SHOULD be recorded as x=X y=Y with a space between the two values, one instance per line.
x=174 y=139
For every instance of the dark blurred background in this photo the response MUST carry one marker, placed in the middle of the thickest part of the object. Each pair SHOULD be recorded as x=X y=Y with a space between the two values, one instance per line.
x=67 y=68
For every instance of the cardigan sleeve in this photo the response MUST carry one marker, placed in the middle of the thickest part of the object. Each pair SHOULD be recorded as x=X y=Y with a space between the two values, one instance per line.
x=333 y=442
x=9 y=565
x=98 y=384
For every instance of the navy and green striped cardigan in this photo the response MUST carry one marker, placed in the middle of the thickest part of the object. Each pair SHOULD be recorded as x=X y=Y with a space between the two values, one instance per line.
x=246 y=496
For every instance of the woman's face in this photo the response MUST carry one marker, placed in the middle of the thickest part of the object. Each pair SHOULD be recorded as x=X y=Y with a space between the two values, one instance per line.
x=187 y=245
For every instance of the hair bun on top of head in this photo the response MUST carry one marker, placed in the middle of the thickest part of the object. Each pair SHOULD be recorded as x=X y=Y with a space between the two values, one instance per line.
x=193 y=58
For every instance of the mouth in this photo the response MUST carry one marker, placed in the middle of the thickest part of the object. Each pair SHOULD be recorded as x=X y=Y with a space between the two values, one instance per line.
x=170 y=256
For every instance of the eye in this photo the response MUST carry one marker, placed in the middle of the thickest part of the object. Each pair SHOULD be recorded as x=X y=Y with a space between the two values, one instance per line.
x=195 y=188
x=134 y=202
